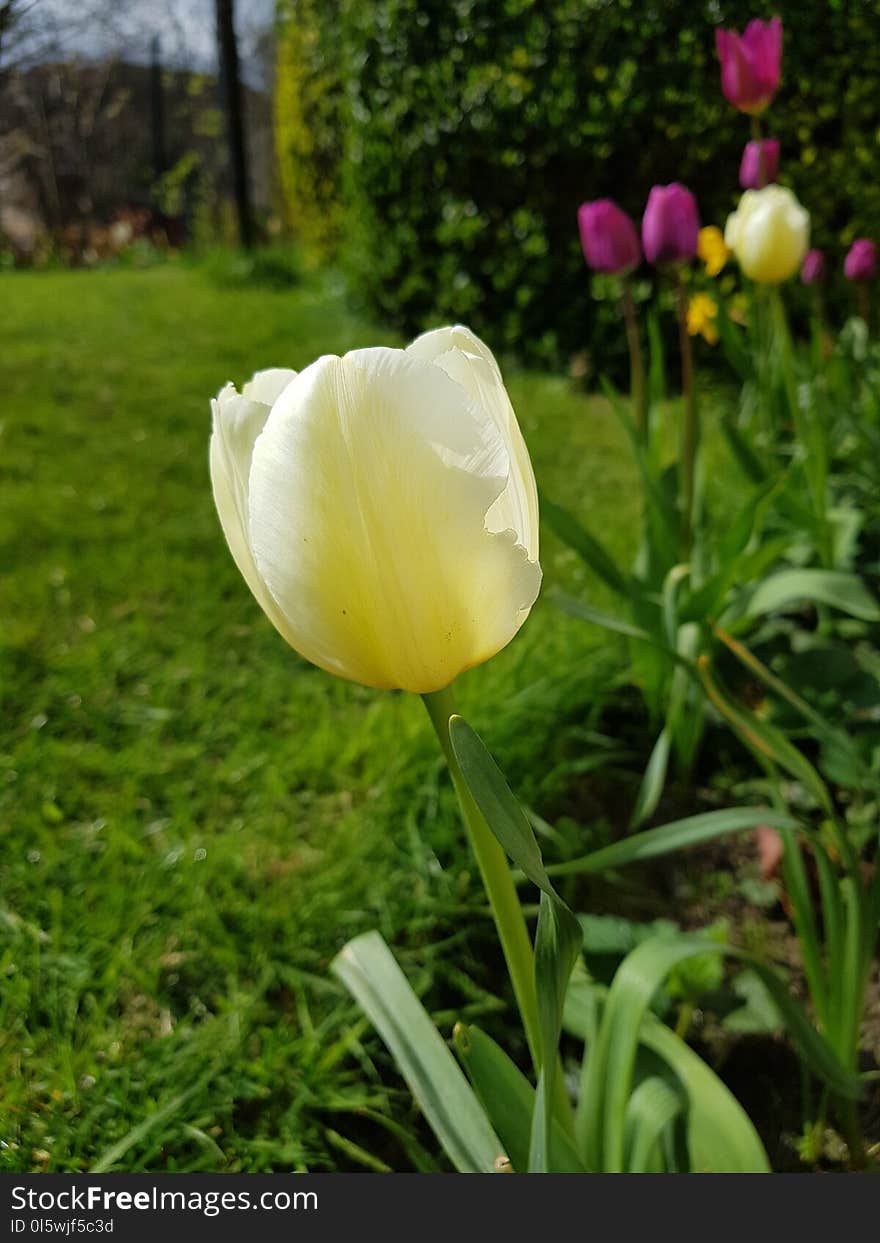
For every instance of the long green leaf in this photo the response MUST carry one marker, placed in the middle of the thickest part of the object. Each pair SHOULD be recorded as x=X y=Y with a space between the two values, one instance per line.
x=653 y=1106
x=610 y=1082
x=764 y=739
x=653 y=780
x=721 y=1138
x=831 y=733
x=816 y=1050
x=509 y=1101
x=748 y=460
x=656 y=502
x=369 y=971
x=798 y=888
x=842 y=591
x=677 y=835
x=558 y=936
x=500 y=808
x=558 y=940
x=720 y=1135
x=576 y=536
x=585 y=612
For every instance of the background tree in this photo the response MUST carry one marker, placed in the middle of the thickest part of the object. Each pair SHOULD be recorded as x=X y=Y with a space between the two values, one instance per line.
x=230 y=85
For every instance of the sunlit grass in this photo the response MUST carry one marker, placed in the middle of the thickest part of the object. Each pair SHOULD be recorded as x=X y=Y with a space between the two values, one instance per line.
x=193 y=820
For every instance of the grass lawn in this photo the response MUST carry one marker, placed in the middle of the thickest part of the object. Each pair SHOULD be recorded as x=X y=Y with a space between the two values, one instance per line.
x=194 y=820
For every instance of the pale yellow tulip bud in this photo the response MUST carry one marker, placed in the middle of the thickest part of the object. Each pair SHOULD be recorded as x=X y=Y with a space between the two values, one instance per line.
x=382 y=508
x=769 y=233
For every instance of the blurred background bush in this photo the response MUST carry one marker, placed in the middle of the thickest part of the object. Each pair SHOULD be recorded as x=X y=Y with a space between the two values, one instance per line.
x=443 y=146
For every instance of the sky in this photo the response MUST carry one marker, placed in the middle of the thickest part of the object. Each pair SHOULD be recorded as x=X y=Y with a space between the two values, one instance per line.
x=97 y=28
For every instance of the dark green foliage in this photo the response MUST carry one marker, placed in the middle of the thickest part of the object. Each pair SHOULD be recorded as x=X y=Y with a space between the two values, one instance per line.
x=474 y=128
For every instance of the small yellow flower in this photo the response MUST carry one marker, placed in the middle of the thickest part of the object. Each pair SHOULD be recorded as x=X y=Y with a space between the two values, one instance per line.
x=701 y=315
x=712 y=249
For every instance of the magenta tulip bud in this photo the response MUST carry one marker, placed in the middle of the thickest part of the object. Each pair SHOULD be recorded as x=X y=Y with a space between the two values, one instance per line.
x=861 y=262
x=670 y=225
x=750 y=64
x=608 y=237
x=813 y=267
x=760 y=164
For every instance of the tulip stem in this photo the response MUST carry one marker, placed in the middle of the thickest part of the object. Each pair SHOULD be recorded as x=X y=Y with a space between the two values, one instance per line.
x=689 y=425
x=497 y=880
x=756 y=137
x=809 y=435
x=863 y=303
x=638 y=391
x=504 y=901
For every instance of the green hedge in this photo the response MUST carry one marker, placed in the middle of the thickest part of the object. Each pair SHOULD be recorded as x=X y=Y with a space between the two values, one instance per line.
x=309 y=122
x=472 y=129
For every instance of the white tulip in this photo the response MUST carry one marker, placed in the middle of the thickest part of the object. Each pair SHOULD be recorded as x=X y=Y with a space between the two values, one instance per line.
x=769 y=233
x=382 y=508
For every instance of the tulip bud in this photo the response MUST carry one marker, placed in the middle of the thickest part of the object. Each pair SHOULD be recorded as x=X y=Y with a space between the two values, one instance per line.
x=813 y=267
x=670 y=225
x=861 y=262
x=769 y=233
x=608 y=237
x=760 y=164
x=750 y=64
x=382 y=508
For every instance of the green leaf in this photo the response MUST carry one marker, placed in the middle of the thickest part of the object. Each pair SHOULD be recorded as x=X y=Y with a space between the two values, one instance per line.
x=677 y=835
x=842 y=591
x=814 y=1048
x=609 y=1082
x=585 y=612
x=656 y=359
x=576 y=536
x=720 y=1136
x=764 y=739
x=557 y=946
x=369 y=971
x=758 y=1013
x=800 y=894
x=500 y=809
x=653 y=1106
x=558 y=935
x=509 y=1101
x=656 y=502
x=748 y=461
x=836 y=738
x=653 y=781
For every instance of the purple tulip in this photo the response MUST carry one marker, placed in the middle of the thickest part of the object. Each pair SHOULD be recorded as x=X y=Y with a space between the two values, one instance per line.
x=861 y=262
x=670 y=225
x=813 y=267
x=760 y=164
x=750 y=64
x=608 y=237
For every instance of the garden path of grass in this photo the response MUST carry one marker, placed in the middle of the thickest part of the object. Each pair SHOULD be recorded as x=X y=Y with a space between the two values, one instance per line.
x=193 y=821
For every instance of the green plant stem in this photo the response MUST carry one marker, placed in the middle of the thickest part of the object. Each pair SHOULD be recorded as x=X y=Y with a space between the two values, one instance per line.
x=497 y=880
x=852 y=1129
x=504 y=901
x=813 y=445
x=689 y=425
x=685 y=1018
x=863 y=303
x=756 y=137
x=638 y=388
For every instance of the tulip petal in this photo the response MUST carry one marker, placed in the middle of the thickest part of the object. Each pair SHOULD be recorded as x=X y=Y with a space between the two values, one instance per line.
x=369 y=488
x=237 y=422
x=464 y=357
x=266 y=386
